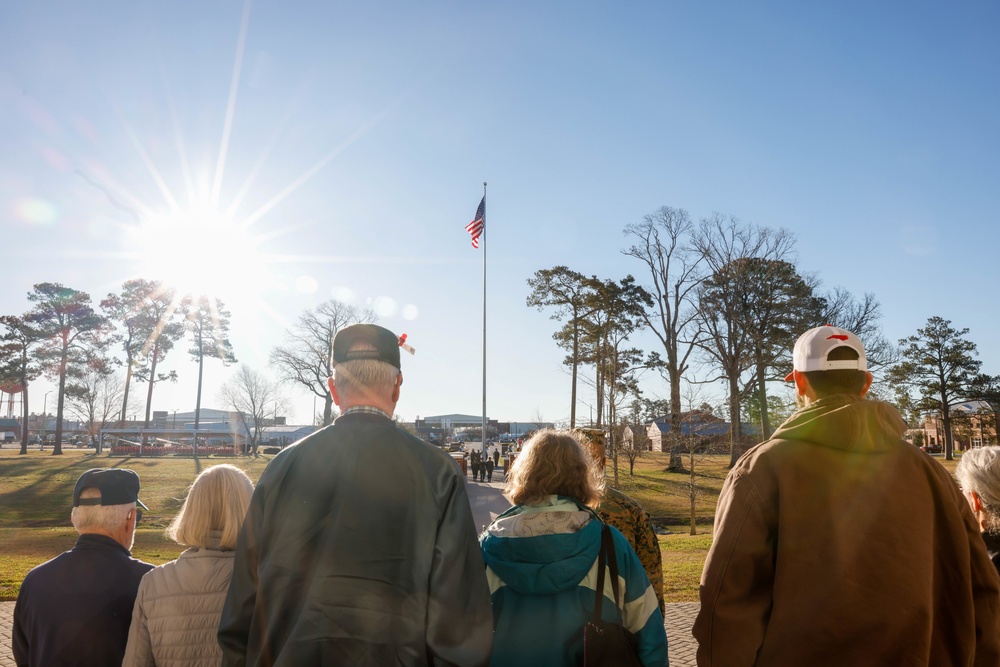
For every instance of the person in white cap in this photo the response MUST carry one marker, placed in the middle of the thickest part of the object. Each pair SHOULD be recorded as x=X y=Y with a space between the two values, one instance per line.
x=838 y=543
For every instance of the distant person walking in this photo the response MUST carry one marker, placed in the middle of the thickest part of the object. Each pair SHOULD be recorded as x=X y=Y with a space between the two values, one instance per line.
x=335 y=565
x=177 y=610
x=839 y=543
x=75 y=609
x=489 y=470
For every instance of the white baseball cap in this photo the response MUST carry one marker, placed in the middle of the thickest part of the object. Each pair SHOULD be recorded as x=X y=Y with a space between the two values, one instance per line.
x=813 y=347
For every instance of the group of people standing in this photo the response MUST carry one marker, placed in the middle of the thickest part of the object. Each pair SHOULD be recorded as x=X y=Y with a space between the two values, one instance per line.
x=482 y=467
x=836 y=543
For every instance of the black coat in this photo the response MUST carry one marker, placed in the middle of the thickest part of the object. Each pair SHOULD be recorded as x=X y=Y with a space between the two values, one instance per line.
x=76 y=608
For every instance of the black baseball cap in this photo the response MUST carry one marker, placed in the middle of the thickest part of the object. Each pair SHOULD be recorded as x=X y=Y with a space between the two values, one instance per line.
x=118 y=486
x=383 y=343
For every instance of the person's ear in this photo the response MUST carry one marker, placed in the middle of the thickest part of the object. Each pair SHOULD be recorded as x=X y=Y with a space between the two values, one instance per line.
x=976 y=502
x=395 y=389
x=868 y=383
x=333 y=391
x=801 y=383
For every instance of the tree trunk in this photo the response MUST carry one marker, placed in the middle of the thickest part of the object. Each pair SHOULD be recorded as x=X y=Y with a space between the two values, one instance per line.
x=128 y=383
x=734 y=421
x=765 y=419
x=152 y=381
x=692 y=490
x=676 y=462
x=576 y=363
x=57 y=447
x=24 y=417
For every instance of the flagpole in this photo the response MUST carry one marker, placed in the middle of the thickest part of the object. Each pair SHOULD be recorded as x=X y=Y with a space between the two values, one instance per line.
x=483 y=431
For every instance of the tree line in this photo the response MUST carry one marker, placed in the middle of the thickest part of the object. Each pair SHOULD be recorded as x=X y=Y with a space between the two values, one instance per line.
x=726 y=300
x=94 y=354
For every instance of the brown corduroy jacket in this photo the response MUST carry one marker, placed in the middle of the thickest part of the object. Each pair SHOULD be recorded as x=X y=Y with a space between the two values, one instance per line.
x=838 y=543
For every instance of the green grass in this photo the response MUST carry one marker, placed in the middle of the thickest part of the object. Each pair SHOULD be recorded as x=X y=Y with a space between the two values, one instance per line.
x=36 y=494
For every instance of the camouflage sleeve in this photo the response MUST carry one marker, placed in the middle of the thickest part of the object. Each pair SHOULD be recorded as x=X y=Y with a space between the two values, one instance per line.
x=634 y=523
x=647 y=546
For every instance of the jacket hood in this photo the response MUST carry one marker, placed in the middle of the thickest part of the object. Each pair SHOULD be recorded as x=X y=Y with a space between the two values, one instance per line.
x=543 y=564
x=850 y=423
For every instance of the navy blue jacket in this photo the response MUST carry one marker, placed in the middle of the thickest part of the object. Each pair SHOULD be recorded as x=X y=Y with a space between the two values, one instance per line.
x=76 y=608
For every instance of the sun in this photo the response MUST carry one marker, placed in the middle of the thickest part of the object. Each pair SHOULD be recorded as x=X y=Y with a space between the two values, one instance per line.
x=200 y=252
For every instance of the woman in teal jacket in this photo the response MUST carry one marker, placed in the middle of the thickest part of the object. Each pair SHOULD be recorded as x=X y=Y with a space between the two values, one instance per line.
x=541 y=562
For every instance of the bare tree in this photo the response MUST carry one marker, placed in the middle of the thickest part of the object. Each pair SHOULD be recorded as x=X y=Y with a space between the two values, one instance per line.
x=256 y=398
x=95 y=398
x=304 y=359
x=725 y=244
x=663 y=245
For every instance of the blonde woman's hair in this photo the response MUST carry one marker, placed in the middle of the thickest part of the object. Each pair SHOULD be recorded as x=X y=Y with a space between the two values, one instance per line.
x=100 y=518
x=217 y=500
x=554 y=463
x=979 y=471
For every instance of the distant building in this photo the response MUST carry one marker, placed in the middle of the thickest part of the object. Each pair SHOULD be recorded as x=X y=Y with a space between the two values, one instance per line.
x=698 y=423
x=973 y=424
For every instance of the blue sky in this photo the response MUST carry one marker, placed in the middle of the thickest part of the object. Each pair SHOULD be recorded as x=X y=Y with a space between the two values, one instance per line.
x=358 y=137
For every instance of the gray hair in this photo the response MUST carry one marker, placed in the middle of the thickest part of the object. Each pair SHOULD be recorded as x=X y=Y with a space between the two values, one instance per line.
x=99 y=518
x=359 y=377
x=979 y=471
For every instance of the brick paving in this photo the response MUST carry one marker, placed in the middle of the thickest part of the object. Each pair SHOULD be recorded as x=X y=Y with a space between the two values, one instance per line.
x=678 y=621
x=6 y=621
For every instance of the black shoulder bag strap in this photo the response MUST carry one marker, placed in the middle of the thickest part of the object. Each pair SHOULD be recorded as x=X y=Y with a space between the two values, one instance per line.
x=606 y=558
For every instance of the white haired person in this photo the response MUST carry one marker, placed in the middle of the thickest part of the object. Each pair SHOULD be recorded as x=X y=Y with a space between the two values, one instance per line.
x=75 y=609
x=359 y=547
x=978 y=474
x=176 y=614
x=542 y=562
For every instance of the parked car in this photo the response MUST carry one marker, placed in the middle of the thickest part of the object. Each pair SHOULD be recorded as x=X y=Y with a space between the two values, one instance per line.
x=932 y=449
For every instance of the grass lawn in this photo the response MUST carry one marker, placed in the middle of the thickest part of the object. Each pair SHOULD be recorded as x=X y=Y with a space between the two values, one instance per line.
x=36 y=496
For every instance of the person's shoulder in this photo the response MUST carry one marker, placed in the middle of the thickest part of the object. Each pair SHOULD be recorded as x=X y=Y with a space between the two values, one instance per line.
x=615 y=497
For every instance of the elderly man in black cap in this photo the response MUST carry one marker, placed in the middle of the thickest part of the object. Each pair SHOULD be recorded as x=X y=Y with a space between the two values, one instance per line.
x=76 y=608
x=359 y=547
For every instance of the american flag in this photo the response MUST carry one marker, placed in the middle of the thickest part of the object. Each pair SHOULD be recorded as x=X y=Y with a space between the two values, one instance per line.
x=477 y=226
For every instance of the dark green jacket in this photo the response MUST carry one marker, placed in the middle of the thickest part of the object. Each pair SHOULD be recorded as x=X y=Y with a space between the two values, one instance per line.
x=358 y=549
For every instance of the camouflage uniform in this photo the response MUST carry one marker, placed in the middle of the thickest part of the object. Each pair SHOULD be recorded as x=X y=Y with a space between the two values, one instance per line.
x=625 y=514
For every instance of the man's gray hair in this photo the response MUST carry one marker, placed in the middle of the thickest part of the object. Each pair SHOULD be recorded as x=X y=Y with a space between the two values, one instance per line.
x=979 y=471
x=99 y=518
x=365 y=376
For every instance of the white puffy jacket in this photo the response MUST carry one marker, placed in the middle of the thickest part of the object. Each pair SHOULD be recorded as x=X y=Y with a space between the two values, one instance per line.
x=176 y=613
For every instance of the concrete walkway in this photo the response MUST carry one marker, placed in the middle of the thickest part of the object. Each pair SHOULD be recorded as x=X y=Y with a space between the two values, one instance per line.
x=487 y=502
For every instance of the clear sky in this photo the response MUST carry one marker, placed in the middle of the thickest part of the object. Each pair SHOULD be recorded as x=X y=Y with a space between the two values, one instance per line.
x=350 y=142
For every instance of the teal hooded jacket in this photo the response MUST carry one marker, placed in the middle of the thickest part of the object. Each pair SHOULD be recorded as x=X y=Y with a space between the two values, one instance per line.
x=542 y=570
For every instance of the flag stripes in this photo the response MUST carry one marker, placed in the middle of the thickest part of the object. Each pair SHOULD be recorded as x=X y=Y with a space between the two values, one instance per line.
x=476 y=227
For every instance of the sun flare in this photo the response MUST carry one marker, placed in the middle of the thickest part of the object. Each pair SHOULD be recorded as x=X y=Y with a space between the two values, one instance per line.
x=202 y=252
